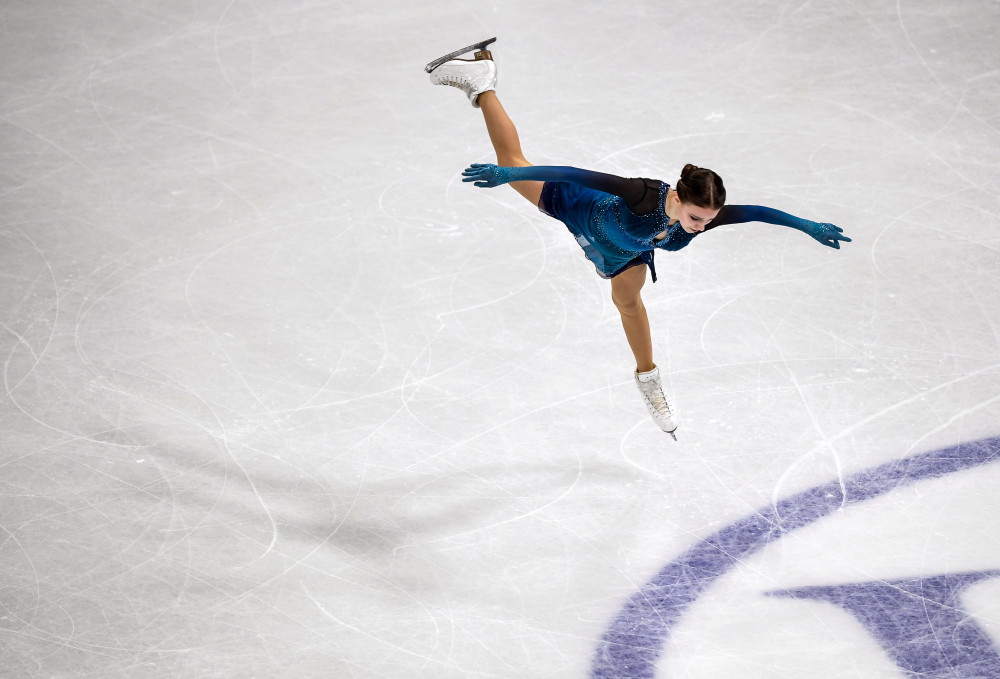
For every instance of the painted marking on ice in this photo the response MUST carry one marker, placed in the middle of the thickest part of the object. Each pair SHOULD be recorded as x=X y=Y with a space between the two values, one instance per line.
x=634 y=642
x=920 y=622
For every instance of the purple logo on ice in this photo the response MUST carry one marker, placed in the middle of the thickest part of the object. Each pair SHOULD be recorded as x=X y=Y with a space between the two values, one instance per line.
x=919 y=622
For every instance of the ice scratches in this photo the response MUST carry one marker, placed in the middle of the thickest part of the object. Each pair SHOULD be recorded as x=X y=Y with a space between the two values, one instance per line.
x=916 y=50
x=215 y=45
x=790 y=372
x=505 y=493
x=506 y=423
x=21 y=340
x=412 y=382
x=915 y=141
x=669 y=139
x=61 y=149
x=426 y=658
x=936 y=197
x=205 y=326
x=919 y=395
x=524 y=218
x=218 y=431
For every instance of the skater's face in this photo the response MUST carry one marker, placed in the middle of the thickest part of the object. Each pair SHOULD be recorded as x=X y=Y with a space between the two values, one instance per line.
x=694 y=219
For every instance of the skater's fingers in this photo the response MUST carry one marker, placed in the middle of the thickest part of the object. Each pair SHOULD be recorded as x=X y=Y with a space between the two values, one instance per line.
x=834 y=244
x=842 y=237
x=483 y=185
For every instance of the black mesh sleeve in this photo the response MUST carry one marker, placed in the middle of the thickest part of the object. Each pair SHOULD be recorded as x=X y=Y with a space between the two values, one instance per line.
x=641 y=195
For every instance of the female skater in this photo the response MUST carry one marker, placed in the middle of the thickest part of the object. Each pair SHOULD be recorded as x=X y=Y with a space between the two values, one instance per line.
x=618 y=222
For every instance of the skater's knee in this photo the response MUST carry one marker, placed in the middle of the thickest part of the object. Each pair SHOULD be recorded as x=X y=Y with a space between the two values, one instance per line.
x=627 y=305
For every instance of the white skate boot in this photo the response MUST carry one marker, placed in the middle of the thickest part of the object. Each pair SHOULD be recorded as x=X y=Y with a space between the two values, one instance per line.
x=472 y=76
x=656 y=401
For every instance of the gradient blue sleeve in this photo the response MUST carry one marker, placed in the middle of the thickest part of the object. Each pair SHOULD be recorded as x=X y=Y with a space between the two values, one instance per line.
x=825 y=233
x=737 y=214
x=632 y=190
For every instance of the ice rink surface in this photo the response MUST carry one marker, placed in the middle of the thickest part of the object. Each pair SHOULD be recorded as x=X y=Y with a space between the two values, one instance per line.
x=282 y=397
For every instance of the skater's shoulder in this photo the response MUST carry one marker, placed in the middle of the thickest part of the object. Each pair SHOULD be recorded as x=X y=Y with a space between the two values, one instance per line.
x=649 y=197
x=655 y=185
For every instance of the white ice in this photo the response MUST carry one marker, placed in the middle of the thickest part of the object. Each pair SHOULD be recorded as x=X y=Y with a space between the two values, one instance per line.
x=282 y=397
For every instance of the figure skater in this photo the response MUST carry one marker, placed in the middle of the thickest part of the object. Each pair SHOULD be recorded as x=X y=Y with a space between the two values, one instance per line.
x=618 y=222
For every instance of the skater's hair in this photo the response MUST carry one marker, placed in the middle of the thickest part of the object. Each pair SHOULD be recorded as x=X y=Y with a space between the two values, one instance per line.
x=702 y=187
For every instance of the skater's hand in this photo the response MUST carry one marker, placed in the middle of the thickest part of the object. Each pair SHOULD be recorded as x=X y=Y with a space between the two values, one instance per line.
x=486 y=175
x=827 y=234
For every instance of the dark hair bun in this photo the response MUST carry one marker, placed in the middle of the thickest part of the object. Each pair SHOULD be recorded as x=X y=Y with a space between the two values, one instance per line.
x=688 y=171
x=702 y=187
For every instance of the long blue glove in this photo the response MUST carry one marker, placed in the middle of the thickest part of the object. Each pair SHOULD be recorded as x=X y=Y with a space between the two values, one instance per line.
x=827 y=234
x=487 y=175
x=639 y=194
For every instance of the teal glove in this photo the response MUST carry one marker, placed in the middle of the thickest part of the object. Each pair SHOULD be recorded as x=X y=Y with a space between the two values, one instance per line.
x=827 y=234
x=488 y=175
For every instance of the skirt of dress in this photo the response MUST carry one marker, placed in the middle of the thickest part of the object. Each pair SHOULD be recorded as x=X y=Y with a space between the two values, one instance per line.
x=580 y=209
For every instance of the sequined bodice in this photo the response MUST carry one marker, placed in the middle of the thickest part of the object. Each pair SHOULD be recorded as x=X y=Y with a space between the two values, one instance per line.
x=619 y=226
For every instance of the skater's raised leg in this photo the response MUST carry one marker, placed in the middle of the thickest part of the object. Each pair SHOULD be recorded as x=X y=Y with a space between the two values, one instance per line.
x=506 y=143
x=477 y=77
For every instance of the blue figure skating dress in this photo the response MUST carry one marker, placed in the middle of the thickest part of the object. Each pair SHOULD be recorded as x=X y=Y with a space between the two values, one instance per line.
x=615 y=233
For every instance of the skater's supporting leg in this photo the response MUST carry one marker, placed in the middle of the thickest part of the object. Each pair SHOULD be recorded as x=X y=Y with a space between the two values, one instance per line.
x=506 y=143
x=625 y=289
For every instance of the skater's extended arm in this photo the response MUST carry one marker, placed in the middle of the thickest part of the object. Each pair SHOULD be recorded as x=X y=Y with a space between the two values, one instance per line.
x=827 y=234
x=640 y=195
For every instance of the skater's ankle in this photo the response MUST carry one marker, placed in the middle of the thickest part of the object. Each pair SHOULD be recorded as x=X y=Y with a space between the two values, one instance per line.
x=483 y=97
x=645 y=368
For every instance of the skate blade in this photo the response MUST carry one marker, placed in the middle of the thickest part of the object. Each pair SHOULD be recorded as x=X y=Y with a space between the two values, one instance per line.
x=673 y=434
x=457 y=53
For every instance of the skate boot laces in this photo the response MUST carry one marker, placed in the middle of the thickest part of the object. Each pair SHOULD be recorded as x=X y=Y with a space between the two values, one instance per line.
x=472 y=77
x=657 y=400
x=454 y=80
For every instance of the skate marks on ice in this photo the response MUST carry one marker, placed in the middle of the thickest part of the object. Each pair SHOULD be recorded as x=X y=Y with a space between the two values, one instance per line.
x=919 y=622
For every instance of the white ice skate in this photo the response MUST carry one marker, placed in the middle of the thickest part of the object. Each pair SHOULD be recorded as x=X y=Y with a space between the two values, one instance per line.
x=656 y=401
x=472 y=76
